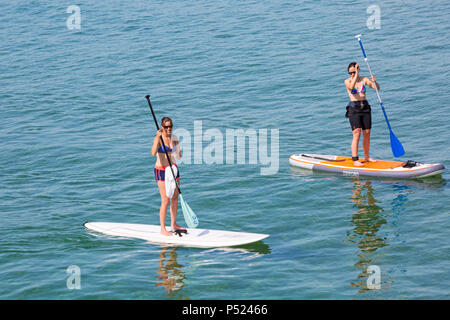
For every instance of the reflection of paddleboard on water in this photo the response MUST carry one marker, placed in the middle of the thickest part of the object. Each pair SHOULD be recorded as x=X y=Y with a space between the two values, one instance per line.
x=197 y=238
x=381 y=168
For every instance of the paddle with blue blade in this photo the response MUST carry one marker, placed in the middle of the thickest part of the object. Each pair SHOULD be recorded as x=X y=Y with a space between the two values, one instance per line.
x=189 y=216
x=396 y=146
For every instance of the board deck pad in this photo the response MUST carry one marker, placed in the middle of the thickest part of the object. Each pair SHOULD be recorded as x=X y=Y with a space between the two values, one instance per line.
x=198 y=238
x=380 y=164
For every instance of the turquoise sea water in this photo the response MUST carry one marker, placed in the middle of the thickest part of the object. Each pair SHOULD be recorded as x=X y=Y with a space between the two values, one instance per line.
x=76 y=134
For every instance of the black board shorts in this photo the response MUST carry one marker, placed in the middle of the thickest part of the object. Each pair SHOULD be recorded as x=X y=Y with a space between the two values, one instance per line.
x=359 y=115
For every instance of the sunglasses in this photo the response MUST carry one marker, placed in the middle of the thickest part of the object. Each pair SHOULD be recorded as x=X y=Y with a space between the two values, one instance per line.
x=167 y=127
x=352 y=72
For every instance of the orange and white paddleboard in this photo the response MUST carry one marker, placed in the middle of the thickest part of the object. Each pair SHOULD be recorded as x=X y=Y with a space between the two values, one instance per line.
x=380 y=168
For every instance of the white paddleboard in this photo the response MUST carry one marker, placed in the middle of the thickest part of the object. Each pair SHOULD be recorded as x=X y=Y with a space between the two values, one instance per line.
x=198 y=238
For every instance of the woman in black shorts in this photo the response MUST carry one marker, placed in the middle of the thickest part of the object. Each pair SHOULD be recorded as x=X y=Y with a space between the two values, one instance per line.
x=358 y=111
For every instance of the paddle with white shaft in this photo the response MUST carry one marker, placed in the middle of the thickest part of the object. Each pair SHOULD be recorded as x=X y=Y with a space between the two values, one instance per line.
x=189 y=215
x=396 y=146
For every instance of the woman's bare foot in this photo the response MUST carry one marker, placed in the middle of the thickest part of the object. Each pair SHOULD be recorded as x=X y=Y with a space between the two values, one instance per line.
x=358 y=164
x=164 y=232
x=177 y=227
x=370 y=160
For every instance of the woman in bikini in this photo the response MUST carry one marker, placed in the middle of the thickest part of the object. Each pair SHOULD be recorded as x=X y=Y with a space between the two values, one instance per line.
x=173 y=150
x=358 y=111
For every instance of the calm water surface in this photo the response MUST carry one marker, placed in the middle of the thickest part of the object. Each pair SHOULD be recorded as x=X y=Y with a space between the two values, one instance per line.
x=76 y=134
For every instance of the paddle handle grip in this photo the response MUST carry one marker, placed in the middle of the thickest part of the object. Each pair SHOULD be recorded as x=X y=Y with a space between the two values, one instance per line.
x=360 y=44
x=151 y=109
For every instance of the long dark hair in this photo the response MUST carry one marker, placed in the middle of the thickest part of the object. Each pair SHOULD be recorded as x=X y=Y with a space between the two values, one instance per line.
x=352 y=64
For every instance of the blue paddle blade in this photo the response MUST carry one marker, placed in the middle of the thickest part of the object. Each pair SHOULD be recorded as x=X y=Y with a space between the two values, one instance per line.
x=396 y=146
x=189 y=215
